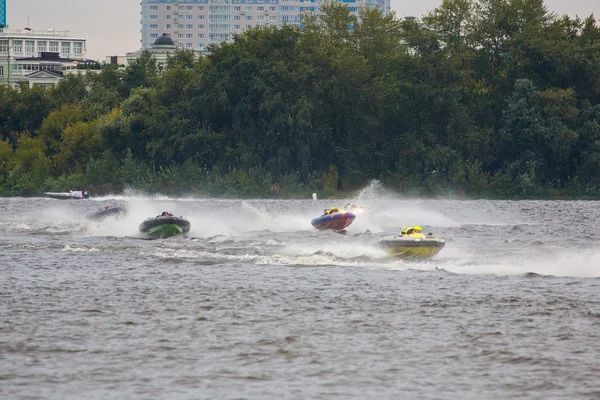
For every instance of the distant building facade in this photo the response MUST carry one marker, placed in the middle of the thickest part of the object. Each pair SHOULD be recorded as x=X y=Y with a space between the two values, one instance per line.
x=162 y=48
x=119 y=61
x=195 y=24
x=39 y=57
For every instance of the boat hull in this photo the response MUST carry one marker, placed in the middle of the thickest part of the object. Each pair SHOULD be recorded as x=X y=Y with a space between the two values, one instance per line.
x=73 y=195
x=165 y=231
x=165 y=226
x=336 y=221
x=411 y=248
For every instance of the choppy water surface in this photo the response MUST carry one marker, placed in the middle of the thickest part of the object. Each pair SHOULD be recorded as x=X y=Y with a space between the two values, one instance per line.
x=255 y=303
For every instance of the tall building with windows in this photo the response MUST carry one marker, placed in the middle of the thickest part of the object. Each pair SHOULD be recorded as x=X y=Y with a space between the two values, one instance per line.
x=195 y=24
x=39 y=57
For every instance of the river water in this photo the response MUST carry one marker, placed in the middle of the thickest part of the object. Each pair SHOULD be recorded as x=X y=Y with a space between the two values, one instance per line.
x=255 y=303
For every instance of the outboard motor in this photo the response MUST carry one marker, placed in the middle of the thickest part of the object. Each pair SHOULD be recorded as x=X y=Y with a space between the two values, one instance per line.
x=85 y=194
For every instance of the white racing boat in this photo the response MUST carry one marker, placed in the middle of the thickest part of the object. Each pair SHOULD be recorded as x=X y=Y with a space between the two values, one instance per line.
x=70 y=195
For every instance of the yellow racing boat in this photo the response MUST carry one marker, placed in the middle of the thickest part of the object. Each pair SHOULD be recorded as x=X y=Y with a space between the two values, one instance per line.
x=407 y=247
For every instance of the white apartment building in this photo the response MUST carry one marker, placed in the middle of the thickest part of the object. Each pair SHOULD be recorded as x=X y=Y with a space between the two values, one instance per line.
x=39 y=57
x=194 y=24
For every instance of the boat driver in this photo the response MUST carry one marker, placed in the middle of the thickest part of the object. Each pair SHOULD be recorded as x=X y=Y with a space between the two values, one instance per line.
x=166 y=214
x=331 y=210
x=413 y=232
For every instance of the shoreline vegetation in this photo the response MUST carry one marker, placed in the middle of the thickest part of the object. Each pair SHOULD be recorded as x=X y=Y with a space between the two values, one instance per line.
x=486 y=99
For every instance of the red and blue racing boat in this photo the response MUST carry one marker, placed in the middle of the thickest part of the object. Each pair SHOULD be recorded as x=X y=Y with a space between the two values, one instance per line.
x=336 y=221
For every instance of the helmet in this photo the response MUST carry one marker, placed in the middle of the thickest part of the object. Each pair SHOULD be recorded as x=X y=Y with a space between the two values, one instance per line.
x=335 y=208
x=168 y=212
x=417 y=228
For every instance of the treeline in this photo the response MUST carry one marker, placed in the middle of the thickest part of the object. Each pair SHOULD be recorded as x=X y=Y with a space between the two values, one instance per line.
x=492 y=98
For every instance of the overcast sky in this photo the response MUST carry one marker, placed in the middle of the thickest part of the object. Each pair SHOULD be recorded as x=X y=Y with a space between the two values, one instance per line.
x=112 y=27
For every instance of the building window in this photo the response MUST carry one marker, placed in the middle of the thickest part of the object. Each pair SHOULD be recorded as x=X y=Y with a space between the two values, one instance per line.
x=1 y=70
x=41 y=45
x=201 y=36
x=272 y=8
x=29 y=46
x=153 y=8
x=53 y=47
x=190 y=26
x=237 y=27
x=168 y=26
x=200 y=45
x=153 y=36
x=77 y=48
x=201 y=17
x=272 y=18
x=189 y=8
x=248 y=8
x=236 y=17
x=189 y=17
x=261 y=17
x=3 y=46
x=168 y=17
x=154 y=17
x=260 y=9
x=248 y=26
x=180 y=45
x=153 y=26
x=188 y=45
x=248 y=17
x=180 y=8
x=200 y=27
x=180 y=36
x=18 y=46
x=237 y=8
x=180 y=26
x=188 y=36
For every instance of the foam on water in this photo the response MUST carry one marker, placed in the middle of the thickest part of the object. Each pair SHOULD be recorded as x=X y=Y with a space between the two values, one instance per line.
x=584 y=263
x=280 y=231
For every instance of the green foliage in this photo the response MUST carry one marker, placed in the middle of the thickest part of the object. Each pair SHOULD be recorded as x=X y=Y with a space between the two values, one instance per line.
x=143 y=72
x=6 y=153
x=69 y=91
x=101 y=173
x=28 y=168
x=53 y=125
x=487 y=98
x=74 y=180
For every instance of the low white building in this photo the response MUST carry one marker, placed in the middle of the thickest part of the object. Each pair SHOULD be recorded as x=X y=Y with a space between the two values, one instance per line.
x=163 y=48
x=119 y=61
x=40 y=57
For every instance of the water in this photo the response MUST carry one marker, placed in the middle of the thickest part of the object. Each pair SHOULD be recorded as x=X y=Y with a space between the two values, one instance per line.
x=255 y=303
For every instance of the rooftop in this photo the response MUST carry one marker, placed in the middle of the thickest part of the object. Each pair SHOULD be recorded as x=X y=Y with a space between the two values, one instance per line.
x=55 y=57
x=164 y=40
x=27 y=32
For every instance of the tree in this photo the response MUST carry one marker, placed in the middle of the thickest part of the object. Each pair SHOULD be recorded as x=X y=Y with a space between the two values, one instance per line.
x=142 y=72
x=55 y=123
